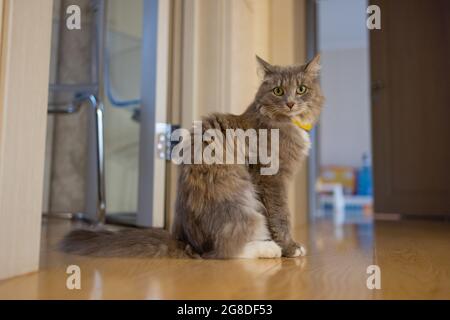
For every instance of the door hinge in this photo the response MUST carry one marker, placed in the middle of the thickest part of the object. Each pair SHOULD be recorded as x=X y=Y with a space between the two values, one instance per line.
x=164 y=144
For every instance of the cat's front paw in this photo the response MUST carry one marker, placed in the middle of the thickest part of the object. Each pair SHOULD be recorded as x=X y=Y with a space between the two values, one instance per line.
x=293 y=250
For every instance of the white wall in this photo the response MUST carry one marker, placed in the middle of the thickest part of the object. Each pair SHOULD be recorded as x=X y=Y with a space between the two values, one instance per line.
x=344 y=44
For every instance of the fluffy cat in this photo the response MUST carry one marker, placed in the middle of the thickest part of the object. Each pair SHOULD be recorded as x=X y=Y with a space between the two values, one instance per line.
x=231 y=210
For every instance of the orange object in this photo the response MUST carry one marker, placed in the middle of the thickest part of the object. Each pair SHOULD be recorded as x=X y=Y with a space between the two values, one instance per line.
x=346 y=176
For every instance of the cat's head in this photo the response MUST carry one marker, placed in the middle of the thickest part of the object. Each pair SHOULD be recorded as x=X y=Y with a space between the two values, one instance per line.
x=289 y=91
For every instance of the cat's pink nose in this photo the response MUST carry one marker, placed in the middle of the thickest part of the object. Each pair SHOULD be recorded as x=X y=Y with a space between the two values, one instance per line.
x=290 y=104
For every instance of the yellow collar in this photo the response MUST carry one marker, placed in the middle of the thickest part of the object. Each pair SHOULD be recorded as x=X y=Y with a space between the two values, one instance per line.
x=303 y=125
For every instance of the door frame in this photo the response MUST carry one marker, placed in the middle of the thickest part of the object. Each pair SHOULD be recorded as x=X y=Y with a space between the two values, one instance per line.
x=154 y=103
x=314 y=156
x=25 y=26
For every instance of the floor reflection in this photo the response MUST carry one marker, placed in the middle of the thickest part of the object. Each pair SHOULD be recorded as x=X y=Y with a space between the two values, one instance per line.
x=413 y=258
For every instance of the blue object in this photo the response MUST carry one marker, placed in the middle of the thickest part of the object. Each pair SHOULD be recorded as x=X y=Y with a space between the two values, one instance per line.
x=364 y=180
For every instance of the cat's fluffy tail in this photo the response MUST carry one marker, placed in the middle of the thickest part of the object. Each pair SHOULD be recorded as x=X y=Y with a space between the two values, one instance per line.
x=150 y=243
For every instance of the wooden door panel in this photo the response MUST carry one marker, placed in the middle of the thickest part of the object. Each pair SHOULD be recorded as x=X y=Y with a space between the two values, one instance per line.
x=410 y=68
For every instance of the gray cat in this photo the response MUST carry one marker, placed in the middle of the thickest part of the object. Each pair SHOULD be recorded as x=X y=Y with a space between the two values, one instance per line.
x=231 y=210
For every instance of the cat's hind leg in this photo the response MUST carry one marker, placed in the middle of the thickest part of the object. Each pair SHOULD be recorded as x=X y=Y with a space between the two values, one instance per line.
x=243 y=231
x=220 y=215
x=259 y=243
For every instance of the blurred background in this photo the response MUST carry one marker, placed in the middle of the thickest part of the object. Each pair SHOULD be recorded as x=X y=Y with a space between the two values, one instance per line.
x=343 y=185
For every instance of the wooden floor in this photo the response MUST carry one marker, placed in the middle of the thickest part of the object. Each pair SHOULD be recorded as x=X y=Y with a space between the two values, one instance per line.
x=414 y=258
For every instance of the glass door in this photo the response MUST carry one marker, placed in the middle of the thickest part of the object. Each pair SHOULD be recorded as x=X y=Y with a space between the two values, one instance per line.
x=122 y=102
x=134 y=87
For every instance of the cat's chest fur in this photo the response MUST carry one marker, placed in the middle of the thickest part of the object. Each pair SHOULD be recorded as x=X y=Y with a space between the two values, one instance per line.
x=294 y=145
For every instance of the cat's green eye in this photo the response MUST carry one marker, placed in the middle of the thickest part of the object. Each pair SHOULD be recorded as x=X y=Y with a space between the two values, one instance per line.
x=278 y=91
x=301 y=89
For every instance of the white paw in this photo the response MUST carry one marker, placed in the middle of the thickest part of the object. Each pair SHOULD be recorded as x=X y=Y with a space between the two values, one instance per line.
x=270 y=249
x=260 y=249
x=300 y=252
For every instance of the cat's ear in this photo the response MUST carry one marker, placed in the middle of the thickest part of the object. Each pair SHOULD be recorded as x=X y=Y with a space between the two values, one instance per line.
x=313 y=66
x=264 y=67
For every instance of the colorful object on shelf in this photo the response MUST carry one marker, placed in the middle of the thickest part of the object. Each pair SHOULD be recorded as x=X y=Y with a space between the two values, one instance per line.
x=343 y=175
x=364 y=180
